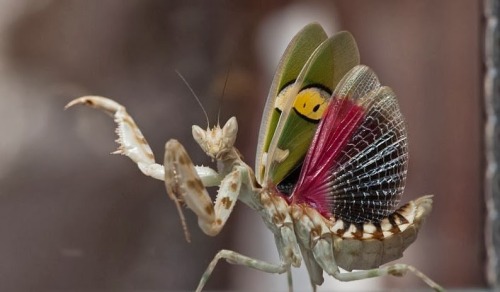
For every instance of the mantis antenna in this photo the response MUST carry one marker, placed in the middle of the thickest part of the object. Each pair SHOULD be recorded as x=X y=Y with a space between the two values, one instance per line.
x=222 y=95
x=195 y=96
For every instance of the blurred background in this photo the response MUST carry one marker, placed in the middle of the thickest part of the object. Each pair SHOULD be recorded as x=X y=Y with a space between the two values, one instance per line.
x=73 y=217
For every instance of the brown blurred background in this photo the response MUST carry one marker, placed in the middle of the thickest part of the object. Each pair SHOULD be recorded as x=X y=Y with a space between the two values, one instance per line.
x=72 y=217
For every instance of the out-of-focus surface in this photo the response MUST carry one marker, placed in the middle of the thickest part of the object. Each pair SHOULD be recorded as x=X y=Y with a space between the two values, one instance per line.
x=491 y=139
x=74 y=217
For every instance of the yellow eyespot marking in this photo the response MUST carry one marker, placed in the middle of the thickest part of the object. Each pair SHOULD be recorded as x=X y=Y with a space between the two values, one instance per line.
x=311 y=103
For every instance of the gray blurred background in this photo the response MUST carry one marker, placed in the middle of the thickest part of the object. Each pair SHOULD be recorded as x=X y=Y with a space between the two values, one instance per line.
x=73 y=217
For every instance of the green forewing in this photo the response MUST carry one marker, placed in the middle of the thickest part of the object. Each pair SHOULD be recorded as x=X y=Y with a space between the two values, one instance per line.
x=296 y=55
x=294 y=132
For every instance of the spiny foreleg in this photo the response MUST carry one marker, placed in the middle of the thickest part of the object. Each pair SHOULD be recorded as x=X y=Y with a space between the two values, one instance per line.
x=133 y=144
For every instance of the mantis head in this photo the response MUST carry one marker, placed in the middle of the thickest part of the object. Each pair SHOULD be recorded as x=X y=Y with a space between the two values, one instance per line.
x=217 y=142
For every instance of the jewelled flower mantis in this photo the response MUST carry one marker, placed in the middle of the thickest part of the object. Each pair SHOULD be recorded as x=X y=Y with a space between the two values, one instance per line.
x=330 y=167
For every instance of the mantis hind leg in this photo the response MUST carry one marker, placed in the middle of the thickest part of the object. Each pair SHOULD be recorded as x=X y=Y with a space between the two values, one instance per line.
x=394 y=269
x=323 y=253
x=235 y=258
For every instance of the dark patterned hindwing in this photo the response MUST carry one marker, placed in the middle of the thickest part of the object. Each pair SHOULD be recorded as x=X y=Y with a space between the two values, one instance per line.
x=368 y=179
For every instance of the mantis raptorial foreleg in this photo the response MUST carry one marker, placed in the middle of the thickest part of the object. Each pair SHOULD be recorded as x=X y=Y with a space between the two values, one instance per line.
x=133 y=144
x=184 y=184
x=187 y=182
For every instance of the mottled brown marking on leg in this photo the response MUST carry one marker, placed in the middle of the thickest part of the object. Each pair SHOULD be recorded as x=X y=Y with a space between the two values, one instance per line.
x=195 y=184
x=278 y=218
x=265 y=200
x=168 y=156
x=316 y=231
x=219 y=222
x=184 y=159
x=209 y=209
x=234 y=187
x=226 y=202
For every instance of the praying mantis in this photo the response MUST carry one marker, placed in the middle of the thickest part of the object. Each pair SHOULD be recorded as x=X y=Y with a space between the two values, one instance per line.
x=330 y=168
